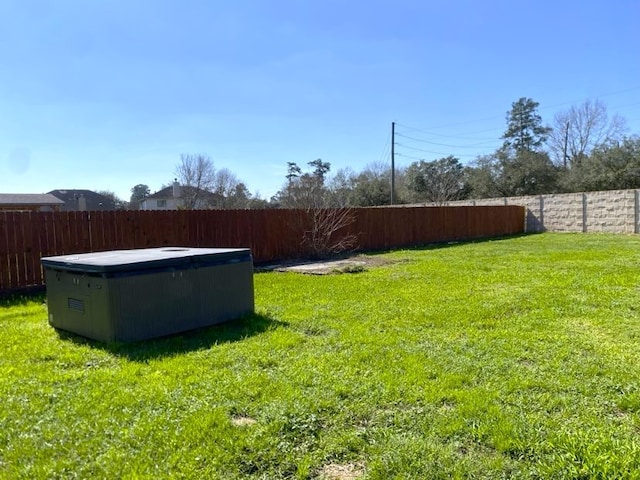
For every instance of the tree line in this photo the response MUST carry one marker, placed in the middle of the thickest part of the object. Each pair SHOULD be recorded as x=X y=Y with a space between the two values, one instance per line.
x=201 y=185
x=586 y=149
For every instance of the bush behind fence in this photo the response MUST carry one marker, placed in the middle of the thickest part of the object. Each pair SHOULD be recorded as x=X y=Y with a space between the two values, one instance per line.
x=272 y=235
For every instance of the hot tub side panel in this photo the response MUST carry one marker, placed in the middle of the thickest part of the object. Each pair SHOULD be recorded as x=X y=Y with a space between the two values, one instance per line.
x=79 y=304
x=226 y=292
x=153 y=304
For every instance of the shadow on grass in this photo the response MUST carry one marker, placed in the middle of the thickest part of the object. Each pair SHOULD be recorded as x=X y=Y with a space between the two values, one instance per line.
x=22 y=298
x=190 y=341
x=284 y=264
x=448 y=244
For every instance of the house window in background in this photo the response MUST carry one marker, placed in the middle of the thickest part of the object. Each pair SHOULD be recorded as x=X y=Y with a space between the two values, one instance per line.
x=162 y=204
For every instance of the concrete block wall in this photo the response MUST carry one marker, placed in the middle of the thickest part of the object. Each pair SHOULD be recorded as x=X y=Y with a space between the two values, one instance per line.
x=614 y=211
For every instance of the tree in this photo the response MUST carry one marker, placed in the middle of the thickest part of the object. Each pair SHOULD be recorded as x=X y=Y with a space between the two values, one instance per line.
x=239 y=197
x=527 y=173
x=320 y=169
x=372 y=186
x=322 y=226
x=306 y=190
x=139 y=192
x=225 y=184
x=614 y=166
x=438 y=181
x=293 y=171
x=505 y=174
x=196 y=175
x=483 y=177
x=257 y=202
x=524 y=127
x=340 y=187
x=118 y=203
x=581 y=129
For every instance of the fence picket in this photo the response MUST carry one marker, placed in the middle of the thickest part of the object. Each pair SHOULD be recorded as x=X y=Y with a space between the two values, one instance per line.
x=13 y=233
x=4 y=252
x=32 y=251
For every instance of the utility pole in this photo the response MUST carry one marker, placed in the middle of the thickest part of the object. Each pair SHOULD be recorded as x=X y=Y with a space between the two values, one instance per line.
x=393 y=161
x=566 y=140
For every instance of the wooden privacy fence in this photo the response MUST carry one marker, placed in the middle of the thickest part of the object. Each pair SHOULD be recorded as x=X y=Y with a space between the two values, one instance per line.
x=272 y=235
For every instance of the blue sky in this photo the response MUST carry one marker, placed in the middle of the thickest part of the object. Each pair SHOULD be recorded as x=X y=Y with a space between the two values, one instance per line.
x=107 y=94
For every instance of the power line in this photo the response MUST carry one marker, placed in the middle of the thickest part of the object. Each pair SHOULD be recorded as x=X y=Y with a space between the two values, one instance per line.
x=443 y=144
x=408 y=156
x=590 y=98
x=412 y=157
x=626 y=106
x=455 y=136
x=460 y=156
x=420 y=149
x=443 y=126
x=406 y=145
x=386 y=149
x=450 y=136
x=464 y=140
x=544 y=107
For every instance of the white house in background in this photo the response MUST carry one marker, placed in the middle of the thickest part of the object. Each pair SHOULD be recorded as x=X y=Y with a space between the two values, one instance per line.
x=171 y=198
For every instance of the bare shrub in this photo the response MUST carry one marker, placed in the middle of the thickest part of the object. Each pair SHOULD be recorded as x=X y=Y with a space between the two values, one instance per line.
x=325 y=235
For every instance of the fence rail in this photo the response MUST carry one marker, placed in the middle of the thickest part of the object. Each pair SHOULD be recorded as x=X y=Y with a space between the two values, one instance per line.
x=272 y=235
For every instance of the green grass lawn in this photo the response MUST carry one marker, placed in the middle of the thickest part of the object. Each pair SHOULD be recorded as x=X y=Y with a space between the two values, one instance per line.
x=514 y=358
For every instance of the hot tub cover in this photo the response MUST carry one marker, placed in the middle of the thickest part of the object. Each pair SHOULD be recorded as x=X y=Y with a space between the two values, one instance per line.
x=146 y=259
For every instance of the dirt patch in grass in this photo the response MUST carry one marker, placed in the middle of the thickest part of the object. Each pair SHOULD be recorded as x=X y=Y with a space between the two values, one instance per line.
x=242 y=421
x=357 y=264
x=347 y=471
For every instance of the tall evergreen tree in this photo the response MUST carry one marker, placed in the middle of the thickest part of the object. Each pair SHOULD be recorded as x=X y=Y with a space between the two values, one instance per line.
x=525 y=132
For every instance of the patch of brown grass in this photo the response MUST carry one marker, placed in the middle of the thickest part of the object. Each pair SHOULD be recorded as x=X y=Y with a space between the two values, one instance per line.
x=347 y=471
x=242 y=421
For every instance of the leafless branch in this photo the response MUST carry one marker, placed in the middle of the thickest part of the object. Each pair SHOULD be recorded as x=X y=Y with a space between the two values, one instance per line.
x=325 y=235
x=581 y=129
x=196 y=174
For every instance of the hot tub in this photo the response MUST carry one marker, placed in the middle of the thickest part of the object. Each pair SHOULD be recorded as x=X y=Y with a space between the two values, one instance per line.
x=130 y=295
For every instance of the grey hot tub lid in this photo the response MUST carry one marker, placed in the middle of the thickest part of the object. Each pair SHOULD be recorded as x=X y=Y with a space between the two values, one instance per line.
x=146 y=258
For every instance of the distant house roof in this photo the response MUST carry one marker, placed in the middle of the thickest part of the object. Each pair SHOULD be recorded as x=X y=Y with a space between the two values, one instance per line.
x=29 y=200
x=164 y=193
x=92 y=200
